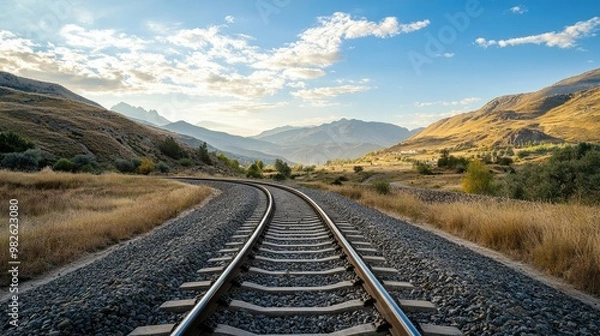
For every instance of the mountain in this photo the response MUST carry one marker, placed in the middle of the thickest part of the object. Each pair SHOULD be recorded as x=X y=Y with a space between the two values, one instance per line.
x=240 y=146
x=567 y=111
x=63 y=127
x=342 y=139
x=276 y=130
x=9 y=80
x=221 y=127
x=139 y=114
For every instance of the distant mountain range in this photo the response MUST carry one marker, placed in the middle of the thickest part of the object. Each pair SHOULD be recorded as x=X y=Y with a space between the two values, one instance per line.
x=139 y=114
x=567 y=111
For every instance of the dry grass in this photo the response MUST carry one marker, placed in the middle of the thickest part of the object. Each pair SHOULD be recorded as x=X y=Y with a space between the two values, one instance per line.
x=62 y=216
x=562 y=240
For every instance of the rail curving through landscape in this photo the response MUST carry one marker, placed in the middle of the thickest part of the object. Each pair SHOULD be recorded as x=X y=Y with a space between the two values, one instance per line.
x=290 y=250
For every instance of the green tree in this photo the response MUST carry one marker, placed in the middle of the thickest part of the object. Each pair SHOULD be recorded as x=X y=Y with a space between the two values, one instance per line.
x=283 y=169
x=64 y=165
x=28 y=160
x=478 y=179
x=11 y=142
x=204 y=155
x=255 y=170
x=172 y=149
x=162 y=167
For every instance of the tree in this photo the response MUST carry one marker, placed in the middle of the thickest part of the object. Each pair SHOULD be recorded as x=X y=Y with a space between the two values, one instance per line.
x=126 y=166
x=255 y=170
x=11 y=142
x=283 y=169
x=171 y=148
x=146 y=166
x=478 y=179
x=163 y=167
x=64 y=165
x=27 y=160
x=204 y=155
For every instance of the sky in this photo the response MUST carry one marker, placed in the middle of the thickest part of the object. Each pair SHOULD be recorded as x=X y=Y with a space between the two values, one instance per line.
x=252 y=65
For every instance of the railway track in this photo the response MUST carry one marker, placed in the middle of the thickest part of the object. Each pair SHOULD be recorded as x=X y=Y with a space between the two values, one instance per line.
x=290 y=269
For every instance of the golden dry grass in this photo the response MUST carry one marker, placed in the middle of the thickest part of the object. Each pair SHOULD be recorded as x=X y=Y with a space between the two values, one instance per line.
x=62 y=216
x=562 y=240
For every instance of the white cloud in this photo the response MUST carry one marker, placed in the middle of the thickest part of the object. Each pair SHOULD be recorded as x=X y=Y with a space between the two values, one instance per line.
x=197 y=62
x=519 y=9
x=564 y=39
x=462 y=102
x=229 y=19
x=320 y=46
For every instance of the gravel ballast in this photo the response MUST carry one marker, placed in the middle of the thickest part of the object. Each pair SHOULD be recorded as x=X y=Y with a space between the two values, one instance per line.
x=114 y=295
x=474 y=293
x=123 y=290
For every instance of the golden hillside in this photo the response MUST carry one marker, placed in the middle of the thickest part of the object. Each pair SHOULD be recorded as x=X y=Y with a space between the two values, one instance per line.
x=63 y=128
x=568 y=111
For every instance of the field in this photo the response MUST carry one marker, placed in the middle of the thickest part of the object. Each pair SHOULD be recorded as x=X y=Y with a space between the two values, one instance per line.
x=559 y=239
x=64 y=216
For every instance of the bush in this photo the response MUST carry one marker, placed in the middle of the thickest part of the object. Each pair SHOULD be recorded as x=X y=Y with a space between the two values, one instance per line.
x=571 y=174
x=504 y=161
x=64 y=165
x=162 y=167
x=337 y=181
x=422 y=168
x=450 y=161
x=171 y=148
x=478 y=180
x=186 y=162
x=382 y=187
x=125 y=166
x=358 y=169
x=255 y=170
x=146 y=166
x=11 y=142
x=283 y=169
x=27 y=160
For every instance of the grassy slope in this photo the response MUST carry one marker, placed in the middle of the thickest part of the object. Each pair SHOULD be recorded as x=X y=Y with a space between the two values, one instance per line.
x=65 y=128
x=573 y=120
x=561 y=240
x=62 y=216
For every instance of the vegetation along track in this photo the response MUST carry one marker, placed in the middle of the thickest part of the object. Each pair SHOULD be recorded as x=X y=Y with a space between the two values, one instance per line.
x=290 y=269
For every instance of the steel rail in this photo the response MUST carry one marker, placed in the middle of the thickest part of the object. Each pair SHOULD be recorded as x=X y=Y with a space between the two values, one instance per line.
x=192 y=323
x=397 y=320
x=399 y=323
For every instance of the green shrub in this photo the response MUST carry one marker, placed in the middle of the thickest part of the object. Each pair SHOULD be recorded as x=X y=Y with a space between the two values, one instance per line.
x=283 y=169
x=478 y=179
x=382 y=186
x=162 y=167
x=125 y=166
x=255 y=170
x=11 y=142
x=172 y=149
x=422 y=168
x=186 y=162
x=358 y=169
x=28 y=160
x=203 y=153
x=64 y=165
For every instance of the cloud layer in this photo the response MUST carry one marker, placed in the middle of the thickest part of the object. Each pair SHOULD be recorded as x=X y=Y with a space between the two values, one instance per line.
x=202 y=62
x=564 y=39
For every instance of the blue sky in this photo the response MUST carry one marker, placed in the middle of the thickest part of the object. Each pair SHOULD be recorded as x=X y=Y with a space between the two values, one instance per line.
x=259 y=64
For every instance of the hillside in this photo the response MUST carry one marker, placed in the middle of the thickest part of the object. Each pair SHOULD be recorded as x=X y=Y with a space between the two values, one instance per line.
x=139 y=114
x=64 y=128
x=34 y=86
x=567 y=111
